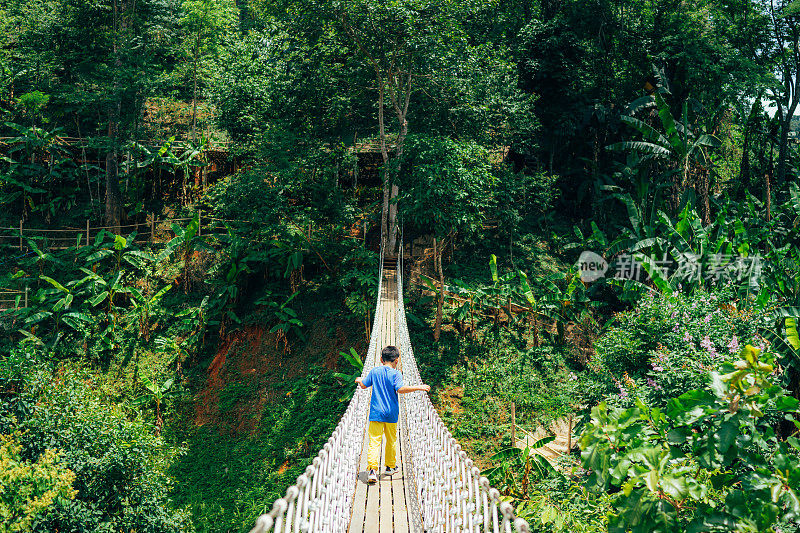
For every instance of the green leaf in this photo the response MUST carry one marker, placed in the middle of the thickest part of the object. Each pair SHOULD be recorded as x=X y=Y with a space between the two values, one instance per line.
x=54 y=283
x=98 y=299
x=726 y=435
x=541 y=442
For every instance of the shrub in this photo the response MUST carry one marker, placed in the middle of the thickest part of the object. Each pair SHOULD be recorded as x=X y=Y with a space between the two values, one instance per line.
x=29 y=488
x=118 y=464
x=667 y=345
x=709 y=461
x=621 y=350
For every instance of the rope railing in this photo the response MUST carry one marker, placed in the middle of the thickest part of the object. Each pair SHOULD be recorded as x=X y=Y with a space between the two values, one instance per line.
x=452 y=495
x=321 y=498
x=447 y=492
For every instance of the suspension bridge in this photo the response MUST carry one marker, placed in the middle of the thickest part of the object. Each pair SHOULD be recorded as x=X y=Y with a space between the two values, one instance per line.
x=437 y=489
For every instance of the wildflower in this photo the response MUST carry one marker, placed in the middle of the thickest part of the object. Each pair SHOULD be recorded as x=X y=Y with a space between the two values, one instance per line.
x=652 y=383
x=733 y=346
x=623 y=393
x=656 y=367
x=706 y=343
x=708 y=318
x=572 y=376
x=687 y=337
x=676 y=328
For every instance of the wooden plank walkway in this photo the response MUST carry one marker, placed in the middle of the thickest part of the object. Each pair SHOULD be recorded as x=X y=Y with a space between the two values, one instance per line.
x=383 y=507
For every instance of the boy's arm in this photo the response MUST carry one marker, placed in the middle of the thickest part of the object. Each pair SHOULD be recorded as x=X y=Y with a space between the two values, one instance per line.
x=360 y=382
x=413 y=388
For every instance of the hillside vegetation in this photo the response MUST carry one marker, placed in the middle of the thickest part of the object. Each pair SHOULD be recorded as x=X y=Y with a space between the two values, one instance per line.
x=599 y=209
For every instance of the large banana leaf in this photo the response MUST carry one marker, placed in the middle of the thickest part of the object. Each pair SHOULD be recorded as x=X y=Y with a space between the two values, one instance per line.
x=641 y=146
x=668 y=122
x=647 y=131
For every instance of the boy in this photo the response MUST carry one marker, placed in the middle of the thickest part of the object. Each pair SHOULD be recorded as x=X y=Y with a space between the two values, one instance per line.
x=384 y=408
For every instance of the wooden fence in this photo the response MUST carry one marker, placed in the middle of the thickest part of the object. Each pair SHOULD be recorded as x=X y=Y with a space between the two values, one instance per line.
x=53 y=239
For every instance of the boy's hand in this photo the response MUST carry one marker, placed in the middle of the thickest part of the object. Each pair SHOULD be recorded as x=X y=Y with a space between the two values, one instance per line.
x=425 y=388
x=358 y=380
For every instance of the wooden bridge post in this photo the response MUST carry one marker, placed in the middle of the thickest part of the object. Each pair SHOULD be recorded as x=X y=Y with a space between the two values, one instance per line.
x=152 y=226
x=20 y=235
x=364 y=235
x=26 y=296
x=87 y=232
x=199 y=222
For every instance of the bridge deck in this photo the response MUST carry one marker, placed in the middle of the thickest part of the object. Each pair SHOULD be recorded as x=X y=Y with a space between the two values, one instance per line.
x=382 y=507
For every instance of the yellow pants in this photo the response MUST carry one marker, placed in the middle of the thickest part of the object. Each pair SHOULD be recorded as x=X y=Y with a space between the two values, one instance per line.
x=376 y=431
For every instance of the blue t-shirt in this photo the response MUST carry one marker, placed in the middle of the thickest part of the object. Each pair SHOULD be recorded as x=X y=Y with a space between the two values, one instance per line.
x=385 y=382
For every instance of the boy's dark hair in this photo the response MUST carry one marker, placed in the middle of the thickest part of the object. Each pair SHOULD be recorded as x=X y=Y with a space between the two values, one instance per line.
x=389 y=354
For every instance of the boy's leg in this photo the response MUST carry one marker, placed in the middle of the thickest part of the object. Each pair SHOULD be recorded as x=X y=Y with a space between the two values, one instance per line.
x=391 y=444
x=374 y=450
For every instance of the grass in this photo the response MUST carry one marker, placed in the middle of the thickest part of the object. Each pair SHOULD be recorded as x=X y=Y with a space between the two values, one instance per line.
x=475 y=381
x=265 y=416
x=226 y=479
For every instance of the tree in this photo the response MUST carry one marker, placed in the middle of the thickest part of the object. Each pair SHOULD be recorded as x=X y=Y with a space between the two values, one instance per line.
x=684 y=150
x=445 y=187
x=786 y=34
x=206 y=21
x=402 y=43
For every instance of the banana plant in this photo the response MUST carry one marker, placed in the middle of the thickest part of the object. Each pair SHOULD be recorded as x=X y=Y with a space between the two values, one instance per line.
x=514 y=468
x=501 y=291
x=41 y=259
x=677 y=143
x=228 y=292
x=356 y=365
x=105 y=290
x=469 y=299
x=55 y=303
x=156 y=395
x=564 y=300
x=144 y=306
x=193 y=156
x=286 y=318
x=533 y=306
x=31 y=145
x=190 y=240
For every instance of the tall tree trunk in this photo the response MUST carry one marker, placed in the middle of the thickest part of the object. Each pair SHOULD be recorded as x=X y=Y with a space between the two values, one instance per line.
x=385 y=167
x=768 y=178
x=783 y=147
x=392 y=223
x=790 y=73
x=113 y=198
x=113 y=195
x=437 y=262
x=194 y=90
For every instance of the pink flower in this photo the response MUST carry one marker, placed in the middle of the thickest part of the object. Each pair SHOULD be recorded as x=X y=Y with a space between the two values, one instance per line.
x=733 y=346
x=708 y=318
x=707 y=345
x=652 y=383
x=687 y=337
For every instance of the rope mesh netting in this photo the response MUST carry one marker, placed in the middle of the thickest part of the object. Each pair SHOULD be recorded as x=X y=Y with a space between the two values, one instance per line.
x=447 y=492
